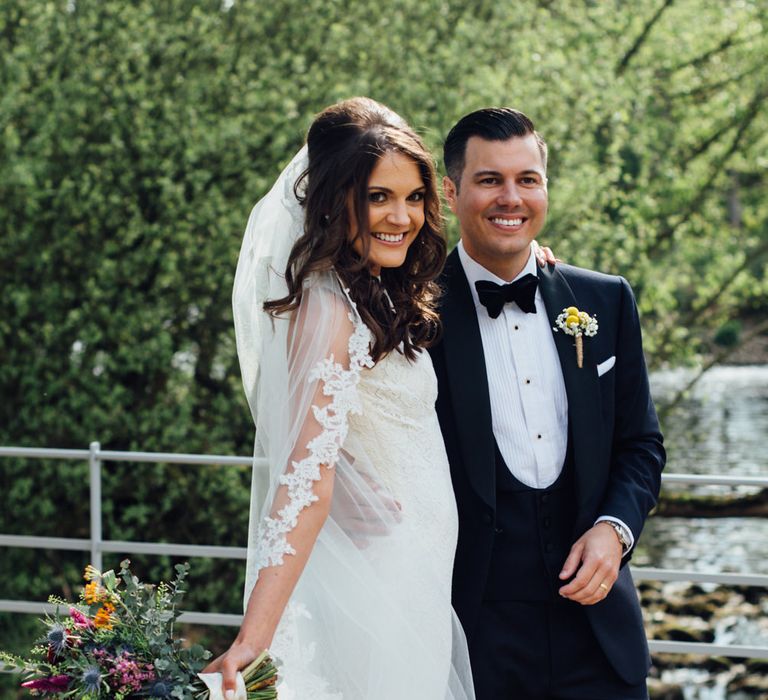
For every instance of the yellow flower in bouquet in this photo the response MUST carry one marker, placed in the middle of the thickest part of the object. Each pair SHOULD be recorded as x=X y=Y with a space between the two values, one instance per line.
x=94 y=593
x=103 y=618
x=91 y=573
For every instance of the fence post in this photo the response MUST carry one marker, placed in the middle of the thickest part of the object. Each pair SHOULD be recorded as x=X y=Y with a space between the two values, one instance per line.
x=94 y=468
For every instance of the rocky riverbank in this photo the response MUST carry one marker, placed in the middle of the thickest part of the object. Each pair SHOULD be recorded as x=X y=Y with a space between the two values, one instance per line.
x=684 y=504
x=706 y=613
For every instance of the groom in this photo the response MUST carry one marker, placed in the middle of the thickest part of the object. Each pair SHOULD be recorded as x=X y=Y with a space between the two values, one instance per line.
x=556 y=460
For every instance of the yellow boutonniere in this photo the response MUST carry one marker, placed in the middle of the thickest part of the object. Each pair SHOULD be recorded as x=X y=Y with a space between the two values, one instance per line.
x=578 y=324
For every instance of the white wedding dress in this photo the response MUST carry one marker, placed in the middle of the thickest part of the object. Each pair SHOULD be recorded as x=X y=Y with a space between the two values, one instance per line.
x=370 y=617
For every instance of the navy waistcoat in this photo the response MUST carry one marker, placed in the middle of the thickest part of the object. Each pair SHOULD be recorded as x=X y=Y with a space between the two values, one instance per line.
x=533 y=535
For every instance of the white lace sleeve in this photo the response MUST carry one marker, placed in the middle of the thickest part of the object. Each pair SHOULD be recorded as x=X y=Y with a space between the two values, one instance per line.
x=327 y=347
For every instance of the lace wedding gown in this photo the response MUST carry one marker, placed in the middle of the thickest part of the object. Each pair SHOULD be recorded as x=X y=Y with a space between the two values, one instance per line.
x=371 y=616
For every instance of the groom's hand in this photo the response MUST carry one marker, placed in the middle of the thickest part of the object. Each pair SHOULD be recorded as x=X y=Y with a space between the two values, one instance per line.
x=594 y=558
x=365 y=510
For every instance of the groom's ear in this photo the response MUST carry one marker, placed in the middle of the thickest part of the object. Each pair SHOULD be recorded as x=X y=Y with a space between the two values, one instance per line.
x=450 y=192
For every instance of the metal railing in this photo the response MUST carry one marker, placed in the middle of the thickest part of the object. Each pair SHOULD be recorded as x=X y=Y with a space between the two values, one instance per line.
x=96 y=545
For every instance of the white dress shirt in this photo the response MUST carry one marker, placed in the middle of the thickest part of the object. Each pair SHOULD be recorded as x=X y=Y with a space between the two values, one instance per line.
x=529 y=404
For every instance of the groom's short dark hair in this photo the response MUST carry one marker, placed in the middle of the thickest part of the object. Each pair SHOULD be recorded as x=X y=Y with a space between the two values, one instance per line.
x=491 y=124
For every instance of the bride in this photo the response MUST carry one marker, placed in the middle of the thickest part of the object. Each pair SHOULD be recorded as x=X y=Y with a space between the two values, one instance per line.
x=354 y=527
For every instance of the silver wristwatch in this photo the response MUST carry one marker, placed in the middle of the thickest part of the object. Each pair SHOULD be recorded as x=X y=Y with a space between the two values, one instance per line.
x=623 y=534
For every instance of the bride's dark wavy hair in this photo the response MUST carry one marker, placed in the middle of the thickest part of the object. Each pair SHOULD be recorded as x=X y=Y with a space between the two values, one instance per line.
x=345 y=143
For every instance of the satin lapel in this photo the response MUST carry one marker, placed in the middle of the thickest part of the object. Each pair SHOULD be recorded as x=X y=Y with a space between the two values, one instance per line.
x=468 y=381
x=581 y=385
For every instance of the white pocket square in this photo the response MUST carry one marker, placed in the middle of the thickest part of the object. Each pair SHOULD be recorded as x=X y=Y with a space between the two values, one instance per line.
x=603 y=367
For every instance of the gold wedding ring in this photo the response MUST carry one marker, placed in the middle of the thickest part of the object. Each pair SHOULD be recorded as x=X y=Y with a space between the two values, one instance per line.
x=604 y=587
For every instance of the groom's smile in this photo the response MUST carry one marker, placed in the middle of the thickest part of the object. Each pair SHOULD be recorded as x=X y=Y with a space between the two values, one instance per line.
x=500 y=201
x=507 y=223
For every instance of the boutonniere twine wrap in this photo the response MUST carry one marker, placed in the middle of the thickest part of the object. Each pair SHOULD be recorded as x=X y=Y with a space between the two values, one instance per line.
x=578 y=324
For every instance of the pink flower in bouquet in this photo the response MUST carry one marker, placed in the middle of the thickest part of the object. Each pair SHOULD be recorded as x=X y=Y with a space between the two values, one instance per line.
x=129 y=674
x=81 y=620
x=52 y=684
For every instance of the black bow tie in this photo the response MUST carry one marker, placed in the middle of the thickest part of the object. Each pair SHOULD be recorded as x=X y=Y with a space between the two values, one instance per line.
x=493 y=296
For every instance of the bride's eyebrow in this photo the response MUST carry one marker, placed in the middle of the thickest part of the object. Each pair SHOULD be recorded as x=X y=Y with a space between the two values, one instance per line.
x=381 y=188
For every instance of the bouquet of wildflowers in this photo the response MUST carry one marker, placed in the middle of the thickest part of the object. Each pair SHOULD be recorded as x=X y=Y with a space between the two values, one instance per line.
x=119 y=643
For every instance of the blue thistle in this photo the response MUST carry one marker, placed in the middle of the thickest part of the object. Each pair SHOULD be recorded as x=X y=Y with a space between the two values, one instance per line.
x=161 y=688
x=91 y=679
x=57 y=639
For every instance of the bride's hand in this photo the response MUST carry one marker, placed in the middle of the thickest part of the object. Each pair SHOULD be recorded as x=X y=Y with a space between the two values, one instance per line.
x=544 y=255
x=236 y=658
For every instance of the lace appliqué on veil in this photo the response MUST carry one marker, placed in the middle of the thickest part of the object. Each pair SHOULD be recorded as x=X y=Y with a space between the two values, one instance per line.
x=341 y=384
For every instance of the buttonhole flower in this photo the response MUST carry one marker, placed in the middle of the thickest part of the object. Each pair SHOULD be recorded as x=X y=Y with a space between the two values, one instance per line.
x=578 y=324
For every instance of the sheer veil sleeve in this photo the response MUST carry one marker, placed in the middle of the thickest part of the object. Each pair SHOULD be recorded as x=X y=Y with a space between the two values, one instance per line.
x=304 y=398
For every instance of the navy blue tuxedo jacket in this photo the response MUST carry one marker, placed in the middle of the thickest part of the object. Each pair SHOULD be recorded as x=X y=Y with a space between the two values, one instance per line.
x=617 y=445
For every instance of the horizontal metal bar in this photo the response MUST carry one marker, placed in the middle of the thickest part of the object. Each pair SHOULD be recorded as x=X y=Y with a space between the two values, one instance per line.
x=123 y=456
x=176 y=458
x=31 y=542
x=200 y=618
x=43 y=453
x=192 y=618
x=714 y=480
x=643 y=573
x=184 y=458
x=179 y=550
x=28 y=608
x=659 y=646
x=167 y=548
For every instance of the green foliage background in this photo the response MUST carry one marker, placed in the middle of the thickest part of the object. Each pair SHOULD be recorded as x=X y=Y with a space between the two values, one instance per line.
x=135 y=136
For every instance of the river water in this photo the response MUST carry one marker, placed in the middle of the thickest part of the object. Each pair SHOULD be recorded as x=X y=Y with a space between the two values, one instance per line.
x=721 y=427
